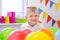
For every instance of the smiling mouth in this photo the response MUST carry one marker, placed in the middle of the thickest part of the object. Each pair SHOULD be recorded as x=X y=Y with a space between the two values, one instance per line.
x=33 y=20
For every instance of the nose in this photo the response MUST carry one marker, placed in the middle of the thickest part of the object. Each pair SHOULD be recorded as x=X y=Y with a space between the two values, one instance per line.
x=34 y=17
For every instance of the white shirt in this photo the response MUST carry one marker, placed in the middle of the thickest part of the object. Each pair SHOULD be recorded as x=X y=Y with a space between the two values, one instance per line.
x=36 y=27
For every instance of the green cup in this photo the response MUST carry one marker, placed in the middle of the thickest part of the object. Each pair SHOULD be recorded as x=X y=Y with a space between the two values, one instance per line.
x=20 y=20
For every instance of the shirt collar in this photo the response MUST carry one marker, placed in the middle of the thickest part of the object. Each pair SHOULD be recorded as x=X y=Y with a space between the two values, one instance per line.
x=31 y=26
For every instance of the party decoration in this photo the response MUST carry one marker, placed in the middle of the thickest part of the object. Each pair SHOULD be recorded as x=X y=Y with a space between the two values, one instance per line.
x=12 y=20
x=17 y=35
x=41 y=1
x=51 y=3
x=57 y=35
x=7 y=20
x=6 y=32
x=46 y=2
x=53 y=22
x=49 y=18
x=39 y=10
x=11 y=14
x=37 y=36
x=56 y=6
x=27 y=31
x=53 y=29
x=58 y=23
x=2 y=20
x=18 y=20
x=48 y=32
x=44 y=14
x=12 y=17
x=0 y=36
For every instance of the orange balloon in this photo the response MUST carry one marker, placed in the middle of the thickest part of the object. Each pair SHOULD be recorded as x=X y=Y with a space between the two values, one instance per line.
x=49 y=33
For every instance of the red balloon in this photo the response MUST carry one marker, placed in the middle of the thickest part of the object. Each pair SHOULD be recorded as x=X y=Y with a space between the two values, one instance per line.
x=27 y=31
x=17 y=35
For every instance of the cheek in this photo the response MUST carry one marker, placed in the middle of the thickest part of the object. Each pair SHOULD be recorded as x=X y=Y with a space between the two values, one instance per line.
x=37 y=18
x=29 y=18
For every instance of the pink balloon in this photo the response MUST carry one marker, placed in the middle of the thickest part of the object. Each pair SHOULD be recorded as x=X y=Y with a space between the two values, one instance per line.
x=27 y=31
x=17 y=35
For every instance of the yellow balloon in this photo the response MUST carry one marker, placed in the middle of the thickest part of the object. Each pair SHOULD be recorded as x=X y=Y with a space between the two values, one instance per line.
x=37 y=36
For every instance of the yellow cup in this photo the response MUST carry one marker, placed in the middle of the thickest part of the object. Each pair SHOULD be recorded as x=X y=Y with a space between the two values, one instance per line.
x=7 y=20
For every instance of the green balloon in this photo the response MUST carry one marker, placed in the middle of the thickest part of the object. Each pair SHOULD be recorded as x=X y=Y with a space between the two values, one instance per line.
x=0 y=36
x=53 y=29
x=6 y=32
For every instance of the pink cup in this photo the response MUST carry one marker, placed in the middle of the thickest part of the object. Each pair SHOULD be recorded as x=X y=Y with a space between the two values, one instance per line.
x=2 y=20
x=11 y=14
x=12 y=20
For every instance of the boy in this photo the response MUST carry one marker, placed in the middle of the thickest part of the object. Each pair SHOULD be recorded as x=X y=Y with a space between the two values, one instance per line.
x=32 y=17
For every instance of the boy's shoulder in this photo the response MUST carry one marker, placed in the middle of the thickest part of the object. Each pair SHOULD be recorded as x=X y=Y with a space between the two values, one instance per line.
x=25 y=24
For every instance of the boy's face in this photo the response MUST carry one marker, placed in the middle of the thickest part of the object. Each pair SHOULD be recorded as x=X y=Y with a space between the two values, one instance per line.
x=32 y=17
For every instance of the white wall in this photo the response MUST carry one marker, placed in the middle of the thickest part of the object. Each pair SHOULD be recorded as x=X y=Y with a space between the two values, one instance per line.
x=0 y=7
x=11 y=5
x=52 y=12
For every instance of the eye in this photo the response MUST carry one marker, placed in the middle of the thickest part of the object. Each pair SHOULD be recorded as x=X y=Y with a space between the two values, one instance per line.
x=36 y=15
x=31 y=16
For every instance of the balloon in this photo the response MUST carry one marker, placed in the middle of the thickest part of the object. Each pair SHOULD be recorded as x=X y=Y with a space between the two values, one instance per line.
x=6 y=32
x=0 y=36
x=37 y=36
x=57 y=35
x=53 y=30
x=17 y=35
x=27 y=31
x=49 y=33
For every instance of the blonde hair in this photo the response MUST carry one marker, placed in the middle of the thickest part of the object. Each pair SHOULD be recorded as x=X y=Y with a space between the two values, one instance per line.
x=32 y=9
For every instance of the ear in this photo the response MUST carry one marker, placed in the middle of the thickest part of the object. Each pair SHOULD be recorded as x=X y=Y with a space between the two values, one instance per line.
x=25 y=17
